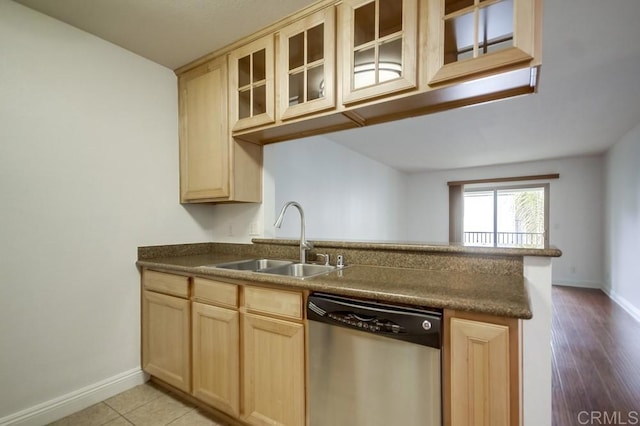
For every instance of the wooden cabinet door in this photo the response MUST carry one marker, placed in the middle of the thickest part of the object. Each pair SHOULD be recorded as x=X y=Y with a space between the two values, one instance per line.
x=480 y=367
x=273 y=368
x=306 y=65
x=251 y=84
x=216 y=357
x=204 y=136
x=379 y=48
x=166 y=338
x=471 y=37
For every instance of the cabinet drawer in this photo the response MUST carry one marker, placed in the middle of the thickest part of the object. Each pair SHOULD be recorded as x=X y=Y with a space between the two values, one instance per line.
x=270 y=301
x=161 y=282
x=216 y=292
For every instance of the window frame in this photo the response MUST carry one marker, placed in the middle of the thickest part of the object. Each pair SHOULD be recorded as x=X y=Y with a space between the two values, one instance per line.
x=496 y=189
x=456 y=200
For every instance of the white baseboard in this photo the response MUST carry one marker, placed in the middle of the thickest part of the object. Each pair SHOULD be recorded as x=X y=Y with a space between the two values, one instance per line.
x=623 y=303
x=583 y=284
x=80 y=399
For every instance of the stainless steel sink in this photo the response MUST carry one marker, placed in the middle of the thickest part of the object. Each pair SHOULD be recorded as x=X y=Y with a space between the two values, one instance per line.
x=299 y=270
x=252 y=264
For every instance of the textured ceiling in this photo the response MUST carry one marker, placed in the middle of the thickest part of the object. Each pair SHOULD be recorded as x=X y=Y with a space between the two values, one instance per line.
x=169 y=32
x=589 y=94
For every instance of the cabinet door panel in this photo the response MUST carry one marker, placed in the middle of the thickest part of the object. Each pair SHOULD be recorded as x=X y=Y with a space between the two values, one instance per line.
x=469 y=38
x=480 y=374
x=380 y=48
x=306 y=65
x=165 y=339
x=273 y=367
x=204 y=136
x=251 y=84
x=216 y=357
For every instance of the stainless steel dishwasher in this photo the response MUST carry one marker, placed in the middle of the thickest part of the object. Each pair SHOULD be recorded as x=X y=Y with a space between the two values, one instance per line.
x=373 y=364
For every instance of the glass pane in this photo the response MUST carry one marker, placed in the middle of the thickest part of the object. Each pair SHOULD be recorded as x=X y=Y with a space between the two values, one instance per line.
x=259 y=99
x=364 y=72
x=296 y=51
x=259 y=65
x=315 y=82
x=495 y=27
x=244 y=70
x=520 y=217
x=458 y=37
x=451 y=6
x=478 y=218
x=390 y=60
x=365 y=24
x=244 y=103
x=390 y=17
x=315 y=43
x=296 y=88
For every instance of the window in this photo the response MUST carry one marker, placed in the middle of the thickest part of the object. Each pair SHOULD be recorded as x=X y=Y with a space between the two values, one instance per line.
x=500 y=212
x=505 y=216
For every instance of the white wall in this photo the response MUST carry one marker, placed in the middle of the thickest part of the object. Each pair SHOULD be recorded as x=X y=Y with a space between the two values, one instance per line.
x=88 y=172
x=348 y=196
x=576 y=212
x=345 y=195
x=622 y=222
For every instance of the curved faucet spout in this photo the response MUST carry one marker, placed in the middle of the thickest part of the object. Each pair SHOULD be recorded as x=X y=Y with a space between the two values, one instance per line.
x=304 y=244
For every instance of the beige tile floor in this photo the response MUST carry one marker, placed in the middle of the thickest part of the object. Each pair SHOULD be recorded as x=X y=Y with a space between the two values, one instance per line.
x=144 y=405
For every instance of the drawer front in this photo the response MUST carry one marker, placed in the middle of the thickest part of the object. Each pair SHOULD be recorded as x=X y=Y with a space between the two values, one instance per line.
x=161 y=282
x=270 y=301
x=215 y=292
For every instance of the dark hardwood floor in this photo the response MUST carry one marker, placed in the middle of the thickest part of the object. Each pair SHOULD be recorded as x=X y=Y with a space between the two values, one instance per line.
x=596 y=360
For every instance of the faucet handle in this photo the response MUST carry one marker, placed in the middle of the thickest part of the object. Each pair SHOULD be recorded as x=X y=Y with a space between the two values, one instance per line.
x=340 y=261
x=327 y=257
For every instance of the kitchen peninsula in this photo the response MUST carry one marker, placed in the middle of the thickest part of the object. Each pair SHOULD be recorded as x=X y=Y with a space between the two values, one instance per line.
x=508 y=289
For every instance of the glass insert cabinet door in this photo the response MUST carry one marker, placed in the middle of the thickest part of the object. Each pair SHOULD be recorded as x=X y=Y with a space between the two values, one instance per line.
x=475 y=28
x=479 y=35
x=306 y=65
x=251 y=88
x=381 y=47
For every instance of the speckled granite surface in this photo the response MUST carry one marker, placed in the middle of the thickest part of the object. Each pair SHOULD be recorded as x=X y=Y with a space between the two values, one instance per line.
x=490 y=283
x=421 y=247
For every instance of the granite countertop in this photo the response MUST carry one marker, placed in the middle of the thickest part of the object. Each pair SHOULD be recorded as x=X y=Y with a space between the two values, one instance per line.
x=494 y=294
x=449 y=248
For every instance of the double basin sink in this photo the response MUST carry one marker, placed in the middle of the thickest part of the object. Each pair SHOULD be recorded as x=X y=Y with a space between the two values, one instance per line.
x=277 y=267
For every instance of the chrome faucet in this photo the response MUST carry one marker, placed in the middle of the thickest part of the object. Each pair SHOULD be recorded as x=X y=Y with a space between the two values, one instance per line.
x=304 y=244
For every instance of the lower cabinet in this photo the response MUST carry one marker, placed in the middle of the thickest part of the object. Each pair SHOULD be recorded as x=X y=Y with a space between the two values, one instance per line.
x=236 y=347
x=482 y=365
x=274 y=367
x=166 y=338
x=241 y=348
x=216 y=357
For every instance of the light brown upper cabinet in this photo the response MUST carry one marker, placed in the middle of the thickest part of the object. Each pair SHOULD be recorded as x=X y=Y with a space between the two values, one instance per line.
x=380 y=47
x=468 y=37
x=306 y=65
x=340 y=64
x=251 y=88
x=204 y=136
x=213 y=166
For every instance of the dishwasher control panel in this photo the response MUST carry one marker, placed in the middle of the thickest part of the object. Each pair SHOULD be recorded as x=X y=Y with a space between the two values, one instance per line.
x=412 y=324
x=370 y=324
